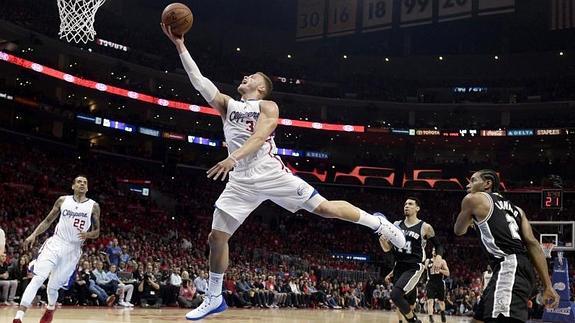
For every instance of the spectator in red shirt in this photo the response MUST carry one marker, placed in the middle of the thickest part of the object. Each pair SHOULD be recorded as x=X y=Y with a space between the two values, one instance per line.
x=188 y=298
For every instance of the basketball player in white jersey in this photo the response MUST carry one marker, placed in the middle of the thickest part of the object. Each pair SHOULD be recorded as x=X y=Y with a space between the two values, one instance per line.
x=258 y=174
x=61 y=252
x=2 y=242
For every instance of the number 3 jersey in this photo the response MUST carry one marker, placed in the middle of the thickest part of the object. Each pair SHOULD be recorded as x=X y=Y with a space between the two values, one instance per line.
x=500 y=231
x=239 y=125
x=75 y=217
x=414 y=250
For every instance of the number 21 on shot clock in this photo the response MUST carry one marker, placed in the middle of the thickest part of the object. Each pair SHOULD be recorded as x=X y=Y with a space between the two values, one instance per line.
x=552 y=199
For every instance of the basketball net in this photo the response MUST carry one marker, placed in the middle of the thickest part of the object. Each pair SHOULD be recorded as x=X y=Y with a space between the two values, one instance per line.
x=547 y=248
x=77 y=19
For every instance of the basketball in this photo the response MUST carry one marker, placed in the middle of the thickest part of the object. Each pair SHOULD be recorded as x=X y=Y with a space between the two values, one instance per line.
x=179 y=17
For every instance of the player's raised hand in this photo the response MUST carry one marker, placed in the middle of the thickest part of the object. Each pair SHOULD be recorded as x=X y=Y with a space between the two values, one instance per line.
x=176 y=39
x=27 y=244
x=550 y=297
x=222 y=168
x=388 y=277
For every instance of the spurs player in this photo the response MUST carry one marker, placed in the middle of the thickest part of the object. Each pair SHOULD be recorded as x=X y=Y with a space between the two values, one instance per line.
x=61 y=252
x=435 y=286
x=258 y=174
x=409 y=259
x=507 y=239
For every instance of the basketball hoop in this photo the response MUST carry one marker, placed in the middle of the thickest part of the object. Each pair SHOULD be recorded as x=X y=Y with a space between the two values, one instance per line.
x=547 y=248
x=77 y=19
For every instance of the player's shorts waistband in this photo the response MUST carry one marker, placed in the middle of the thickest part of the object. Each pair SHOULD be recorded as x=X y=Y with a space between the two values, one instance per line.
x=60 y=240
x=255 y=163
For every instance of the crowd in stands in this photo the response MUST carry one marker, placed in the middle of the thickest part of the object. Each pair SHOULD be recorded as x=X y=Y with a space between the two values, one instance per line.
x=152 y=255
x=523 y=163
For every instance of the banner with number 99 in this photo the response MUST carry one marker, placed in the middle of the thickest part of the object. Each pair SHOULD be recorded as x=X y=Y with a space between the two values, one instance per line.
x=416 y=12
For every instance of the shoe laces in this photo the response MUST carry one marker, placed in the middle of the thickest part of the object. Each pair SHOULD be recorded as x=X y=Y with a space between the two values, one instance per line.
x=384 y=230
x=206 y=303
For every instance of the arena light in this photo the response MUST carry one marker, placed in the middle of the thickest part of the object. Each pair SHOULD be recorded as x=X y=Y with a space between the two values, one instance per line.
x=149 y=131
x=493 y=133
x=6 y=96
x=548 y=132
x=112 y=124
x=107 y=43
x=520 y=132
x=159 y=101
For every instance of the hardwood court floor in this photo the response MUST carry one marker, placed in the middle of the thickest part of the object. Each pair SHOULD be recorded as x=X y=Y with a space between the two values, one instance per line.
x=138 y=315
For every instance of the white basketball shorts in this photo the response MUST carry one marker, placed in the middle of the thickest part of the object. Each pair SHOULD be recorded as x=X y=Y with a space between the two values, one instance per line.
x=58 y=260
x=269 y=179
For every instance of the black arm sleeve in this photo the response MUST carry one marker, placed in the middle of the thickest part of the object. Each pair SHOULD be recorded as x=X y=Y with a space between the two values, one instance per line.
x=437 y=245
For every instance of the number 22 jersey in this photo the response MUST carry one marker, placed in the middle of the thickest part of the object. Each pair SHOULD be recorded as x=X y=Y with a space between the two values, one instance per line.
x=75 y=217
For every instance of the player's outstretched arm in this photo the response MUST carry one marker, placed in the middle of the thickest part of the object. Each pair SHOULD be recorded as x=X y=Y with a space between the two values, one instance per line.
x=202 y=84
x=389 y=277
x=429 y=235
x=95 y=233
x=550 y=296
x=473 y=204
x=384 y=244
x=445 y=269
x=465 y=217
x=45 y=224
x=265 y=126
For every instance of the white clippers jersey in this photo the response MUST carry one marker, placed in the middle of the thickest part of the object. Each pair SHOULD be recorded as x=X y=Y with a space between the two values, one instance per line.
x=239 y=125
x=75 y=217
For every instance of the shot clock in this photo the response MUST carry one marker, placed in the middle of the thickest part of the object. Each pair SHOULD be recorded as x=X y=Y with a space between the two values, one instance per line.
x=552 y=199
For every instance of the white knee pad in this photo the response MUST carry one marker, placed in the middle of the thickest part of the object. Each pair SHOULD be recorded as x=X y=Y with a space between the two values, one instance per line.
x=224 y=222
x=313 y=202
